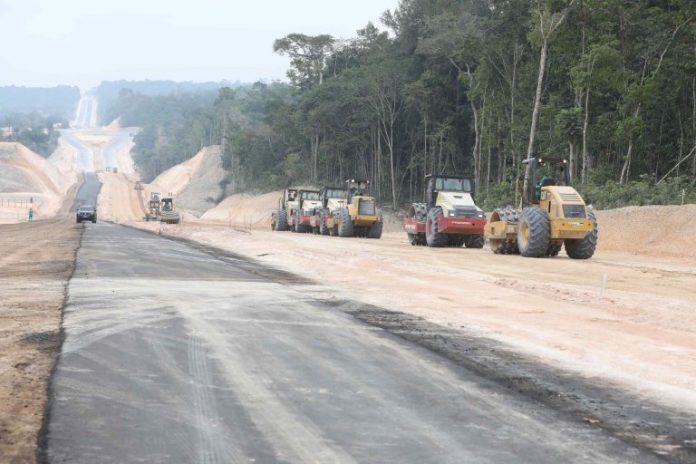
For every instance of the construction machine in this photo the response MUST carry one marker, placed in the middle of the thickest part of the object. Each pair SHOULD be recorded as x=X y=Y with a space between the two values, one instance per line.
x=286 y=208
x=553 y=215
x=307 y=203
x=359 y=217
x=448 y=217
x=168 y=214
x=162 y=209
x=324 y=220
x=153 y=207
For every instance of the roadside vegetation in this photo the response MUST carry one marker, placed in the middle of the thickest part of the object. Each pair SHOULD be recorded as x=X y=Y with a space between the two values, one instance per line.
x=471 y=87
x=38 y=133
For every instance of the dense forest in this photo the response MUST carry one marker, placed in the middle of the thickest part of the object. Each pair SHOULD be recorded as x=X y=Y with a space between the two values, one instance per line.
x=470 y=87
x=60 y=100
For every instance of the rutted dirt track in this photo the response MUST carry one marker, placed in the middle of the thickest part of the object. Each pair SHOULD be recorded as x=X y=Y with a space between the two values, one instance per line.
x=36 y=261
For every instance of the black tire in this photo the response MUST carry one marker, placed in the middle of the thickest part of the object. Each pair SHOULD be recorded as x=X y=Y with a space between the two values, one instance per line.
x=433 y=237
x=345 y=224
x=474 y=241
x=533 y=232
x=323 y=229
x=79 y=222
x=375 y=230
x=94 y=221
x=554 y=249
x=281 y=220
x=584 y=248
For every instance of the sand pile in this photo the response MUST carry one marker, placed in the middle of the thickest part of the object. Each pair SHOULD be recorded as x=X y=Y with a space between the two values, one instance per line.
x=659 y=231
x=26 y=177
x=245 y=209
x=195 y=183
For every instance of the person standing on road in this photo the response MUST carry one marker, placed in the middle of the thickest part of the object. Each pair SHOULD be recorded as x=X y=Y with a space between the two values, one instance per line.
x=31 y=214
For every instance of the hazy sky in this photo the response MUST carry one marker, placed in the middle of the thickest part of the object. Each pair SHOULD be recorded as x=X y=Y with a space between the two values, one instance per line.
x=82 y=42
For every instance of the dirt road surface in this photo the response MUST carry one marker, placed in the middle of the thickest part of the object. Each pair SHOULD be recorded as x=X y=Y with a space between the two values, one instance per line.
x=36 y=261
x=177 y=354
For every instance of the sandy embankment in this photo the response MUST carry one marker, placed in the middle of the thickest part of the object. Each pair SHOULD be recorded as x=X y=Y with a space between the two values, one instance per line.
x=26 y=176
x=36 y=261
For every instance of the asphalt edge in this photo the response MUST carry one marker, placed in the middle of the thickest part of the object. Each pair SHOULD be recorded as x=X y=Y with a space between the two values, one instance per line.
x=41 y=453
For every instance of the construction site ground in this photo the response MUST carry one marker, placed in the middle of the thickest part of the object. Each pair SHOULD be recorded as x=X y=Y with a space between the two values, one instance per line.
x=625 y=316
x=626 y=319
x=36 y=261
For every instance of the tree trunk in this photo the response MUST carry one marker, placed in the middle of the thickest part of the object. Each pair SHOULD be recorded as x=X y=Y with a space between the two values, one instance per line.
x=626 y=168
x=391 y=164
x=693 y=119
x=535 y=116
x=585 y=124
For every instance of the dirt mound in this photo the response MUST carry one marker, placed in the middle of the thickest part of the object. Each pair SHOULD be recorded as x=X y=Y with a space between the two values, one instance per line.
x=194 y=183
x=28 y=180
x=245 y=209
x=660 y=231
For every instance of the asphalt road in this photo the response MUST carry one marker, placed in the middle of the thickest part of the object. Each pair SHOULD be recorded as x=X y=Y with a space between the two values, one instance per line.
x=85 y=156
x=85 y=114
x=174 y=355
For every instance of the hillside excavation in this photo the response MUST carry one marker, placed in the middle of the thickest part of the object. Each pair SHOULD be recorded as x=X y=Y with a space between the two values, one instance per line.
x=449 y=216
x=554 y=215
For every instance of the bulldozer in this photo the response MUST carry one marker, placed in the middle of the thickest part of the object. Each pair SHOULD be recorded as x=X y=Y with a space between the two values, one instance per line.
x=448 y=217
x=324 y=220
x=286 y=208
x=553 y=215
x=359 y=216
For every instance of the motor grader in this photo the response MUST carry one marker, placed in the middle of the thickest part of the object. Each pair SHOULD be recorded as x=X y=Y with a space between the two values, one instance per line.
x=286 y=207
x=307 y=203
x=324 y=220
x=553 y=215
x=449 y=216
x=359 y=217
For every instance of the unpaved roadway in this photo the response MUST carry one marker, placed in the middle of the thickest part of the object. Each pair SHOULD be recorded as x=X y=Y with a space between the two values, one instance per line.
x=174 y=353
x=36 y=261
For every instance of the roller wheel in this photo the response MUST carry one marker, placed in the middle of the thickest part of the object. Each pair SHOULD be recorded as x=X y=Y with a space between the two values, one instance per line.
x=375 y=230
x=323 y=229
x=345 y=225
x=533 y=232
x=281 y=220
x=433 y=237
x=474 y=241
x=584 y=248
